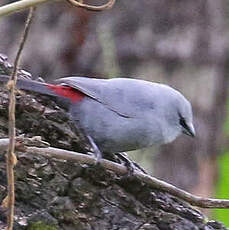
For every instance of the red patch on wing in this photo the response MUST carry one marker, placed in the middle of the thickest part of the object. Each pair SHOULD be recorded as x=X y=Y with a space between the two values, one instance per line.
x=67 y=91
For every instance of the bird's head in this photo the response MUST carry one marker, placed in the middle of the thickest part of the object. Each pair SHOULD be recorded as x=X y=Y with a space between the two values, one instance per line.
x=178 y=116
x=185 y=118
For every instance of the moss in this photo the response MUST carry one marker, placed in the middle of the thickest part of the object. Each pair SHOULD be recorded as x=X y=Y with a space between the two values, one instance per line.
x=39 y=225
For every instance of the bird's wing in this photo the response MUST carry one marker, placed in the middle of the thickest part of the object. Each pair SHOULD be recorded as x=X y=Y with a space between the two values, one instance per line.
x=89 y=86
x=123 y=96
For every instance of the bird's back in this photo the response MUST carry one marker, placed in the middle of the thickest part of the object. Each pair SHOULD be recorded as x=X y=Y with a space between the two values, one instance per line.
x=128 y=97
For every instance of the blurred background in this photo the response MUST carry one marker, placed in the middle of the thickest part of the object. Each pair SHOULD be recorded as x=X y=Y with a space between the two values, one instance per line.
x=183 y=43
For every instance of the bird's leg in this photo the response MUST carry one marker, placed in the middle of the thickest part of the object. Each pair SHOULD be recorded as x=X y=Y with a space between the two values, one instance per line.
x=130 y=165
x=98 y=154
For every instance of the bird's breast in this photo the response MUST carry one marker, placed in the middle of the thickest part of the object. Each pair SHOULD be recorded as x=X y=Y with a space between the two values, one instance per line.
x=113 y=132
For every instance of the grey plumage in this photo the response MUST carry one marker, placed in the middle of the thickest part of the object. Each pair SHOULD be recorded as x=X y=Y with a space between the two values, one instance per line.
x=123 y=114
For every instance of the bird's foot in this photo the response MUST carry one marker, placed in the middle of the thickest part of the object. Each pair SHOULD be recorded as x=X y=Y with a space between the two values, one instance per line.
x=130 y=165
x=139 y=168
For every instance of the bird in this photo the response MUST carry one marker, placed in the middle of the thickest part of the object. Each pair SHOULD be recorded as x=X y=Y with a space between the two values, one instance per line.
x=119 y=114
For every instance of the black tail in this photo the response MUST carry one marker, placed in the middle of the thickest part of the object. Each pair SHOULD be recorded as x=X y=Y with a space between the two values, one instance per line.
x=30 y=85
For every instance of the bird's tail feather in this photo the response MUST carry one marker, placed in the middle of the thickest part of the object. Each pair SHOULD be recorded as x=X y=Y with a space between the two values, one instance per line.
x=30 y=85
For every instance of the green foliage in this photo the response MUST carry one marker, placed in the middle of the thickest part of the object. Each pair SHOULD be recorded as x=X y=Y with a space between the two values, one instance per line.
x=223 y=188
x=223 y=183
x=41 y=226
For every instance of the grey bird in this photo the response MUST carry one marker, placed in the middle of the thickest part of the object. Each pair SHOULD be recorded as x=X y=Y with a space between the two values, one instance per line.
x=120 y=114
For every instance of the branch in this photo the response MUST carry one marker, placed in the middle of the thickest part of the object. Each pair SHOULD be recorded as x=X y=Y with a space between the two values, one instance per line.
x=25 y=4
x=21 y=143
x=122 y=170
x=105 y=6
x=11 y=158
x=19 y=5
x=119 y=169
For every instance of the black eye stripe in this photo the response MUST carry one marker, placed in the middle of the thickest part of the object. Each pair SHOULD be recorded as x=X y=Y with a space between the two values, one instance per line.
x=183 y=123
x=188 y=130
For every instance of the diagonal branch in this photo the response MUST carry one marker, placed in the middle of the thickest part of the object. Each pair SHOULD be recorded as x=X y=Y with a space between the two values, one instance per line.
x=117 y=168
x=120 y=169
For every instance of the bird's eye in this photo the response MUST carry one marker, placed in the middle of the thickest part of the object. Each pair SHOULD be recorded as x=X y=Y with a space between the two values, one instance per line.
x=183 y=122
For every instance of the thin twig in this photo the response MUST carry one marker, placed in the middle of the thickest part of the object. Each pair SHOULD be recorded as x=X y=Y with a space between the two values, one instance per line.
x=105 y=6
x=22 y=43
x=11 y=158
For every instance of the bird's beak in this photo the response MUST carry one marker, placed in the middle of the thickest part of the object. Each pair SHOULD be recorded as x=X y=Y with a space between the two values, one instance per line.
x=189 y=130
